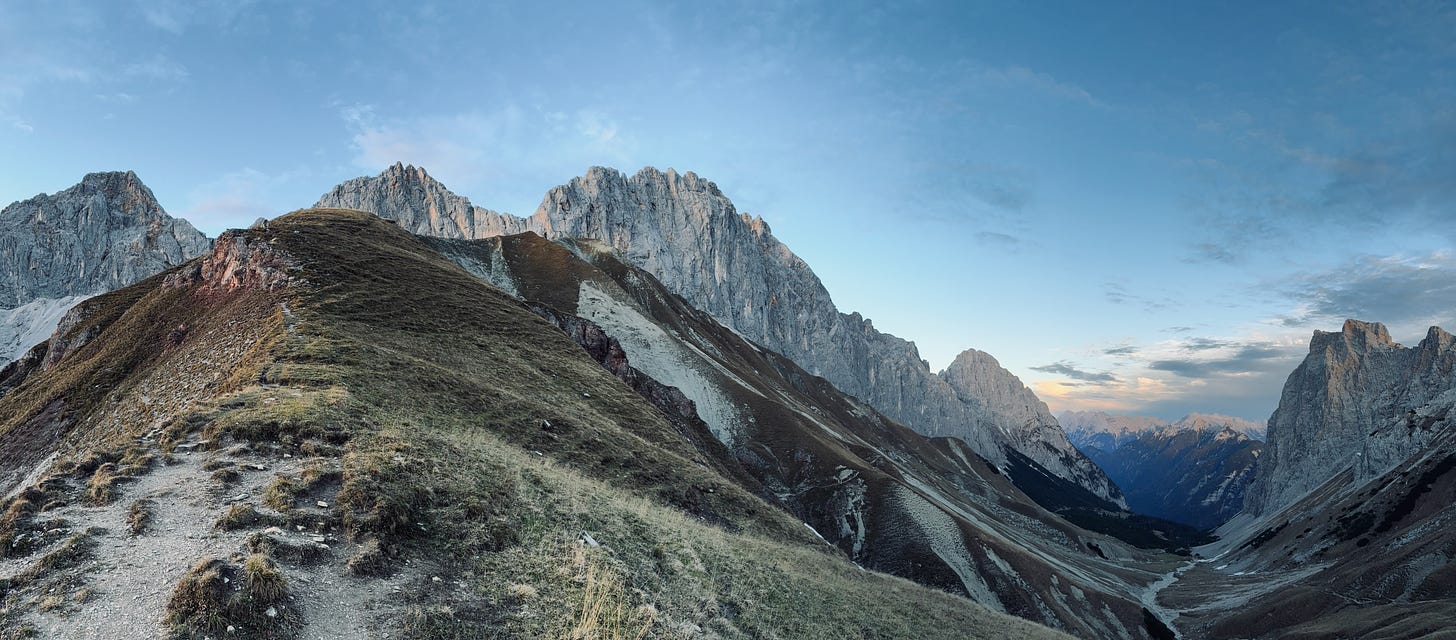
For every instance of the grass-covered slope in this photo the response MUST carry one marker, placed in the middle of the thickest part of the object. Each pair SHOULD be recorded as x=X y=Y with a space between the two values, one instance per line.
x=929 y=509
x=326 y=429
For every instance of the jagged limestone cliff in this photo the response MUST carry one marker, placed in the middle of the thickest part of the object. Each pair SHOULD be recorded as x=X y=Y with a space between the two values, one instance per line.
x=102 y=234
x=1355 y=403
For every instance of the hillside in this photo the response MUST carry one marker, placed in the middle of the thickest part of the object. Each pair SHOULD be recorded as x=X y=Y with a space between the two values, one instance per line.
x=325 y=428
x=929 y=509
x=682 y=229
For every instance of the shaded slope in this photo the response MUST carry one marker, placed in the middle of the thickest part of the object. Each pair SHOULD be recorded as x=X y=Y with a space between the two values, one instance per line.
x=334 y=375
x=929 y=509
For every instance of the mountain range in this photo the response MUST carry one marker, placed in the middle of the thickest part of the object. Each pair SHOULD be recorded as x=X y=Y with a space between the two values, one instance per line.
x=1195 y=470
x=683 y=230
x=396 y=414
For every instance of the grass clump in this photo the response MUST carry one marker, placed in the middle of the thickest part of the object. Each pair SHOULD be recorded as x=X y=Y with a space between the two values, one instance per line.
x=281 y=493
x=139 y=515
x=101 y=488
x=370 y=559
x=12 y=526
x=206 y=603
x=243 y=515
x=605 y=612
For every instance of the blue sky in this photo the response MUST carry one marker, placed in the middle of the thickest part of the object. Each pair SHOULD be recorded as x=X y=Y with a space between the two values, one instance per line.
x=1138 y=207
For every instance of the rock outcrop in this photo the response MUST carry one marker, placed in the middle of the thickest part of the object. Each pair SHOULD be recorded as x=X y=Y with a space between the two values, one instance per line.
x=1356 y=403
x=102 y=234
x=682 y=229
x=242 y=259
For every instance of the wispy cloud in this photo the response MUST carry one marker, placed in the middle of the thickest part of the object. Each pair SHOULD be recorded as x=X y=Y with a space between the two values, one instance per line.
x=1069 y=370
x=1410 y=292
x=177 y=16
x=1027 y=79
x=1396 y=175
x=1118 y=293
x=1238 y=375
x=156 y=67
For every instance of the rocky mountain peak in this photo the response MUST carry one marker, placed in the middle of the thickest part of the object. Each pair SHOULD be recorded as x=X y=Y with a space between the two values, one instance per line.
x=1354 y=336
x=980 y=378
x=420 y=204
x=101 y=234
x=1348 y=406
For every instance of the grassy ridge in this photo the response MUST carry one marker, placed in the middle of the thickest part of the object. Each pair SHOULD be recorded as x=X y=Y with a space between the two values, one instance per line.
x=438 y=386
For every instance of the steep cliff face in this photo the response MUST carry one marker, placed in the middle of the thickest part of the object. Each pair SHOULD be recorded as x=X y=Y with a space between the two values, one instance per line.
x=1355 y=403
x=1001 y=403
x=683 y=230
x=104 y=233
x=55 y=250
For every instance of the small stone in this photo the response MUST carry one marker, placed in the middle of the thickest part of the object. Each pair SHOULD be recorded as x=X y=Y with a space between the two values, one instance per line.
x=322 y=504
x=232 y=629
x=435 y=579
x=272 y=612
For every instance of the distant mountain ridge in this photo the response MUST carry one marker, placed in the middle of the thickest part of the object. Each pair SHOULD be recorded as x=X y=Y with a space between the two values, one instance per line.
x=1108 y=431
x=1195 y=470
x=683 y=230
x=106 y=232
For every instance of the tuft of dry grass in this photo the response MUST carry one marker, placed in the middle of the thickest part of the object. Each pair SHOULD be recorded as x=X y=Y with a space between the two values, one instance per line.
x=206 y=603
x=101 y=488
x=370 y=560
x=281 y=493
x=139 y=515
x=605 y=612
x=264 y=582
x=243 y=515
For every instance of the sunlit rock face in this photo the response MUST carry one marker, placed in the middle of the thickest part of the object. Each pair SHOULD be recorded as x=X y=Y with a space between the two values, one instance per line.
x=684 y=231
x=1359 y=401
x=102 y=234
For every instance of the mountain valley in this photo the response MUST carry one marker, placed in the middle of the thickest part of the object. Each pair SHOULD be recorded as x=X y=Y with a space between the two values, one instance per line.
x=636 y=413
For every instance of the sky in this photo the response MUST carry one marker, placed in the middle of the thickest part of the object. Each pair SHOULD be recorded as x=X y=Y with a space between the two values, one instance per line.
x=1137 y=207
